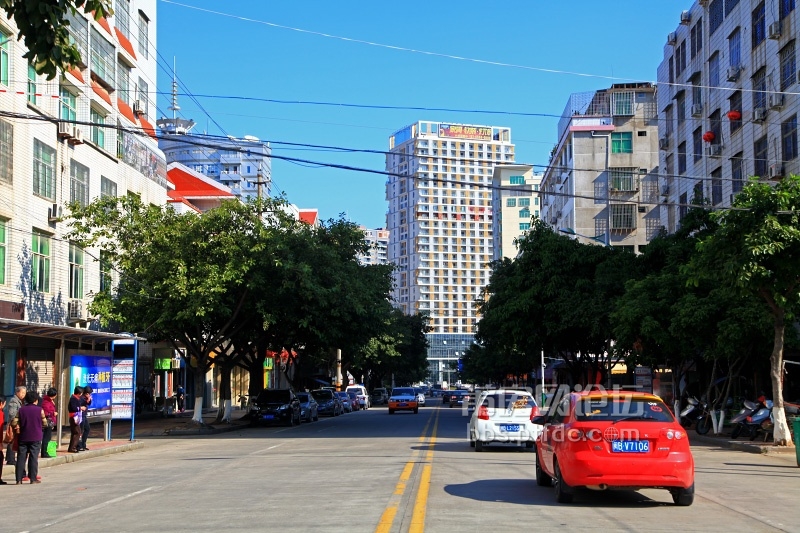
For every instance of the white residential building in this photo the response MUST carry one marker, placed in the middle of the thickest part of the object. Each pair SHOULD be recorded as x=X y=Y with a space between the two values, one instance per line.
x=378 y=242
x=727 y=101
x=515 y=200
x=440 y=227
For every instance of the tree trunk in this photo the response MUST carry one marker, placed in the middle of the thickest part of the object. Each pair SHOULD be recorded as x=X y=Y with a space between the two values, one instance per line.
x=224 y=410
x=780 y=432
x=199 y=390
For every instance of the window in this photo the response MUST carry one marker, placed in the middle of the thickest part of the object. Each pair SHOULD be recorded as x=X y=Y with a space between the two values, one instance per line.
x=623 y=216
x=525 y=213
x=75 y=272
x=622 y=142
x=98 y=131
x=680 y=104
x=78 y=30
x=78 y=183
x=6 y=151
x=788 y=66
x=683 y=208
x=680 y=58
x=524 y=226
x=5 y=64
x=729 y=5
x=40 y=262
x=735 y=104
x=759 y=25
x=516 y=180
x=3 y=245
x=44 y=170
x=682 y=158
x=536 y=201
x=760 y=88
x=696 y=38
x=103 y=56
x=715 y=123
x=789 y=138
x=524 y=202
x=107 y=188
x=697 y=89
x=760 y=157
x=122 y=17
x=622 y=178
x=785 y=7
x=713 y=70
x=697 y=143
x=143 y=38
x=668 y=121
x=106 y=279
x=69 y=105
x=716 y=15
x=622 y=103
x=123 y=83
x=735 y=48
x=672 y=69
x=31 y=92
x=142 y=95
x=716 y=187
x=737 y=172
x=511 y=202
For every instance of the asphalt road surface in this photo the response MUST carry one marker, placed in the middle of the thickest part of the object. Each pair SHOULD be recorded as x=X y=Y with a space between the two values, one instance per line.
x=374 y=472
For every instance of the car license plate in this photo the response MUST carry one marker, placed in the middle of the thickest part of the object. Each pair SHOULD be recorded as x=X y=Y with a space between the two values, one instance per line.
x=403 y=404
x=514 y=428
x=268 y=417
x=630 y=446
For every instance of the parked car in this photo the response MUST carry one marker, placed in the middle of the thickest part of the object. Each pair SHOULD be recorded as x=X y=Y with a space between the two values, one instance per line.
x=614 y=440
x=504 y=416
x=379 y=396
x=403 y=399
x=354 y=402
x=328 y=403
x=458 y=398
x=309 y=409
x=345 y=399
x=420 y=396
x=275 y=406
x=363 y=397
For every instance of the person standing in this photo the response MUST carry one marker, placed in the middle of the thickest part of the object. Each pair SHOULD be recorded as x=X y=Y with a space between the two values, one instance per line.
x=181 y=398
x=50 y=413
x=75 y=410
x=29 y=422
x=3 y=430
x=86 y=401
x=12 y=408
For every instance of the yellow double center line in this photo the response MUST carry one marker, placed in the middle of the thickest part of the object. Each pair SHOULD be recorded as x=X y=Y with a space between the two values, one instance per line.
x=421 y=502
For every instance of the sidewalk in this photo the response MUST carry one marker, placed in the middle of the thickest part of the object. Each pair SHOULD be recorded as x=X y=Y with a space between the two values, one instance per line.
x=724 y=440
x=146 y=425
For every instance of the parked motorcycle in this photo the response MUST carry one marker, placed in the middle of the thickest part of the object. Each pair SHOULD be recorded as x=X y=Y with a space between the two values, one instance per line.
x=740 y=419
x=761 y=420
x=696 y=412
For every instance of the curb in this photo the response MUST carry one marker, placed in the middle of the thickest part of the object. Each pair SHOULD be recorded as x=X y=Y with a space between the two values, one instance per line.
x=762 y=449
x=82 y=456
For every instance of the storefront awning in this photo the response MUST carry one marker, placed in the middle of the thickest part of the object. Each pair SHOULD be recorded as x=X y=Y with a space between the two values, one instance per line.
x=38 y=329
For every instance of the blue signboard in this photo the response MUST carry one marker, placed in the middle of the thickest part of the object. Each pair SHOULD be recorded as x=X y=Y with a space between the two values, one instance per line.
x=95 y=371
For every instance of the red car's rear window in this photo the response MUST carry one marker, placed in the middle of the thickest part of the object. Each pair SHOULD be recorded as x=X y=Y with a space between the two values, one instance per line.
x=616 y=409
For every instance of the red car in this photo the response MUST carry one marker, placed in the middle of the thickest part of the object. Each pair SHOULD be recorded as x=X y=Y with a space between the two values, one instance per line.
x=613 y=440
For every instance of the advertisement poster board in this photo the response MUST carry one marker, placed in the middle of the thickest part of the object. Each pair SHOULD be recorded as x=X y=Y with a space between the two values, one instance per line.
x=122 y=389
x=93 y=370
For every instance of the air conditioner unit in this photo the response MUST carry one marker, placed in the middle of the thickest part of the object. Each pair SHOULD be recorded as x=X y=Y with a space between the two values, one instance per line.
x=703 y=3
x=759 y=114
x=663 y=143
x=775 y=101
x=54 y=213
x=733 y=73
x=553 y=221
x=714 y=150
x=686 y=17
x=774 y=31
x=665 y=190
x=75 y=310
x=672 y=38
x=697 y=110
x=138 y=107
x=65 y=130
x=776 y=171
x=77 y=136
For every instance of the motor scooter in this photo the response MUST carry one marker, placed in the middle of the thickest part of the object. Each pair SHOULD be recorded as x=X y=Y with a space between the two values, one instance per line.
x=696 y=412
x=740 y=419
x=760 y=420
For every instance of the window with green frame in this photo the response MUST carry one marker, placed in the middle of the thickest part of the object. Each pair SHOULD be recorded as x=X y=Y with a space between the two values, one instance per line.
x=98 y=131
x=524 y=202
x=69 y=105
x=524 y=226
x=32 y=98
x=5 y=64
x=511 y=202
x=622 y=142
x=40 y=262
x=516 y=180
x=6 y=152
x=525 y=213
x=3 y=246
x=75 y=272
x=107 y=188
x=78 y=183
x=44 y=170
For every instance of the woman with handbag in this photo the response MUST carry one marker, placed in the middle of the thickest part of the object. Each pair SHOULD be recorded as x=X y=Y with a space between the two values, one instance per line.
x=49 y=407
x=29 y=423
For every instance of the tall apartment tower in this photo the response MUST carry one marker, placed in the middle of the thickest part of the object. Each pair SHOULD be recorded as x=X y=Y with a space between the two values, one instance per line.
x=727 y=102
x=515 y=200
x=601 y=185
x=440 y=227
x=378 y=242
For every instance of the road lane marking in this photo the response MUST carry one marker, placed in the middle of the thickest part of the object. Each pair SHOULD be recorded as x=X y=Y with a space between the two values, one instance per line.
x=421 y=504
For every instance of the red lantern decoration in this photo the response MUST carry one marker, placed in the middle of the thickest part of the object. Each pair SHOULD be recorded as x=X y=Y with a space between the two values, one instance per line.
x=709 y=136
x=734 y=115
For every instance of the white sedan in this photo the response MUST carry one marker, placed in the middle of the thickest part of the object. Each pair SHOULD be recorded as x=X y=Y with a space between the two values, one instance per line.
x=504 y=416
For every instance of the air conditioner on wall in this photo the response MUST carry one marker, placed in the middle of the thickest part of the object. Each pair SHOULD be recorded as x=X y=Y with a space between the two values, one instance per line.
x=697 y=110
x=703 y=3
x=733 y=73
x=714 y=150
x=65 y=130
x=54 y=213
x=672 y=38
x=75 y=310
x=775 y=101
x=664 y=190
x=686 y=17
x=663 y=143
x=776 y=171
x=138 y=107
x=759 y=114
x=774 y=31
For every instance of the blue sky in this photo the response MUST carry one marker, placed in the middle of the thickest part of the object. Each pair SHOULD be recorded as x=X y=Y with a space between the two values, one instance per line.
x=235 y=51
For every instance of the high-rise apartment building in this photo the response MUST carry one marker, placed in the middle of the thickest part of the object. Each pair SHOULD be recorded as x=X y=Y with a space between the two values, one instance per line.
x=378 y=242
x=440 y=227
x=602 y=181
x=727 y=101
x=515 y=200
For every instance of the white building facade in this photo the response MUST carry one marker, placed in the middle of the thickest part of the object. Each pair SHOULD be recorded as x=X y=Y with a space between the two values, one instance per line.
x=515 y=201
x=440 y=227
x=727 y=101
x=378 y=242
x=602 y=181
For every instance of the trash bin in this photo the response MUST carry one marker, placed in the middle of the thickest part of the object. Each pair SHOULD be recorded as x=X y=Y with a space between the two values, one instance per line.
x=796 y=427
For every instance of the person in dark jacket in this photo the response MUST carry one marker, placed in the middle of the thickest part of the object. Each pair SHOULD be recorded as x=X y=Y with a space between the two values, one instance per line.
x=29 y=422
x=86 y=401
x=12 y=407
x=75 y=410
x=50 y=413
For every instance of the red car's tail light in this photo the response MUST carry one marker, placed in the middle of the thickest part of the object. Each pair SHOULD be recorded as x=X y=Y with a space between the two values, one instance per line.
x=483 y=413
x=574 y=435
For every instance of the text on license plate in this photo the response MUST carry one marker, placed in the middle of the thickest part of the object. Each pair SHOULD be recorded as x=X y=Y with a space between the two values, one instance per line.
x=268 y=417
x=510 y=427
x=403 y=404
x=630 y=446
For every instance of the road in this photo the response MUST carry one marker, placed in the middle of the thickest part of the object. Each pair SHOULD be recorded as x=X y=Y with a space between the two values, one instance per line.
x=372 y=472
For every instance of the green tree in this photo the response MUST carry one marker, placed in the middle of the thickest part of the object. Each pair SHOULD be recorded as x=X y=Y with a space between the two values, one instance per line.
x=43 y=26
x=756 y=250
